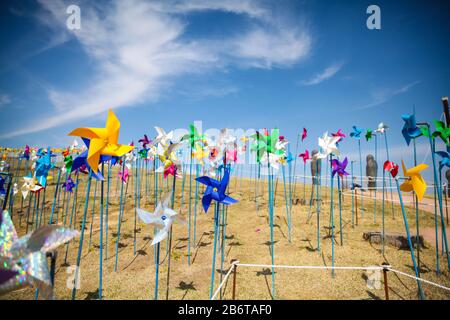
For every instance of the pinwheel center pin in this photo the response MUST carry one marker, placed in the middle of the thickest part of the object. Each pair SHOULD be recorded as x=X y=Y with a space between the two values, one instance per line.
x=215 y=189
x=163 y=218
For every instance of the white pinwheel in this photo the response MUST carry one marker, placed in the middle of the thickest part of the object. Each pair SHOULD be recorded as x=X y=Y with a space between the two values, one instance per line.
x=226 y=138
x=163 y=137
x=381 y=128
x=162 y=218
x=29 y=185
x=272 y=158
x=328 y=146
x=15 y=189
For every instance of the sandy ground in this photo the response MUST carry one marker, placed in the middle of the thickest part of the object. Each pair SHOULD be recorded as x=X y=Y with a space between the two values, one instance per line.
x=248 y=240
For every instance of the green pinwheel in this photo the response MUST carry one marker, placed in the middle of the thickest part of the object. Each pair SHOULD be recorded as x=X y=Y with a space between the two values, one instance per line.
x=442 y=131
x=266 y=143
x=193 y=136
x=369 y=134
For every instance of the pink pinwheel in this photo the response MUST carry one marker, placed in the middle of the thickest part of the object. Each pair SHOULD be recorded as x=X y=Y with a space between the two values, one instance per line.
x=339 y=134
x=304 y=134
x=230 y=155
x=124 y=175
x=339 y=167
x=171 y=170
x=305 y=156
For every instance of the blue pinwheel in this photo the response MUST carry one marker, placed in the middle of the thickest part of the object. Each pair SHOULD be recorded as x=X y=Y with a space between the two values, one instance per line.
x=215 y=190
x=445 y=161
x=81 y=161
x=43 y=166
x=410 y=129
x=356 y=132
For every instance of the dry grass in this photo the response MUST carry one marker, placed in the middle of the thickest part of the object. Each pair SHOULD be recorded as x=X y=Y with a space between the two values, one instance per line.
x=248 y=233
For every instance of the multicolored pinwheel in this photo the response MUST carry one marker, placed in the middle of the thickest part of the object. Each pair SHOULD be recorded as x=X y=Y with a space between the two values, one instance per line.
x=103 y=141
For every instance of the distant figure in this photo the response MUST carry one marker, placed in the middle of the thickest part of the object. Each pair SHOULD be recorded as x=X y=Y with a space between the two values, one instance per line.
x=315 y=167
x=371 y=172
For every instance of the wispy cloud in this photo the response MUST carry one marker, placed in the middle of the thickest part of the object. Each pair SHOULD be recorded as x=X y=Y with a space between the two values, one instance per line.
x=382 y=96
x=139 y=48
x=322 y=76
x=4 y=99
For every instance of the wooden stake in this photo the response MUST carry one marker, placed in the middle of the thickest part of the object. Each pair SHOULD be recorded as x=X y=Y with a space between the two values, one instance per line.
x=386 y=287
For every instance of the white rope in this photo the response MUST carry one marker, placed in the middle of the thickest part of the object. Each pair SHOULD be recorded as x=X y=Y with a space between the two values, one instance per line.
x=309 y=267
x=420 y=279
x=225 y=279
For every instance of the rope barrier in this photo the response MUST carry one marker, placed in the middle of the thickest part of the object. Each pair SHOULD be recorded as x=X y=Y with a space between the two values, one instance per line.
x=419 y=279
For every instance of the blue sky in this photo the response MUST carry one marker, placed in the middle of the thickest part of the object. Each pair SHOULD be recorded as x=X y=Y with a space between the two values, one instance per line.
x=237 y=64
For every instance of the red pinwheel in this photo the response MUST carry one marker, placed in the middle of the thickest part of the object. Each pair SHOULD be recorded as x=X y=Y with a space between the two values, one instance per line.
x=391 y=167
x=304 y=134
x=339 y=134
x=305 y=156
x=339 y=167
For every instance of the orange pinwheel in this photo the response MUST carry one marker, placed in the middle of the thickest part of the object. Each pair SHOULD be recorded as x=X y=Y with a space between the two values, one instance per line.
x=103 y=141
x=415 y=182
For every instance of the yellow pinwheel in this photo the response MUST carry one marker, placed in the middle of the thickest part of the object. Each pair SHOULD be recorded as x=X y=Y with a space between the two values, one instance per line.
x=415 y=182
x=103 y=141
x=199 y=153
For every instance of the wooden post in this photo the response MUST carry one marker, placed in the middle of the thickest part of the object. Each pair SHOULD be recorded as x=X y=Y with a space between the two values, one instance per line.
x=386 y=287
x=234 y=279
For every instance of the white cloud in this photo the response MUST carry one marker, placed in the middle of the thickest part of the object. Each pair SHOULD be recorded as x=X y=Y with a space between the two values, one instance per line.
x=324 y=75
x=4 y=99
x=138 y=47
x=384 y=95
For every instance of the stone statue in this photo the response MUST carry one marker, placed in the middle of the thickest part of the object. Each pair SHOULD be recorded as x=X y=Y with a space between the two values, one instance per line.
x=371 y=171
x=315 y=167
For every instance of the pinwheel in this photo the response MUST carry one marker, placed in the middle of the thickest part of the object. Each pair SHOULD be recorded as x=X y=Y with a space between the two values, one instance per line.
x=68 y=163
x=442 y=131
x=356 y=132
x=29 y=185
x=410 y=129
x=26 y=153
x=339 y=167
x=162 y=137
x=381 y=128
x=65 y=152
x=415 y=182
x=43 y=166
x=15 y=189
x=81 y=163
x=339 y=134
x=445 y=159
x=226 y=138
x=193 y=136
x=123 y=175
x=170 y=163
x=304 y=134
x=144 y=141
x=328 y=146
x=23 y=260
x=305 y=156
x=215 y=190
x=369 y=134
x=69 y=185
x=230 y=155
x=103 y=141
x=391 y=167
x=266 y=143
x=272 y=159
x=74 y=145
x=199 y=153
x=162 y=218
